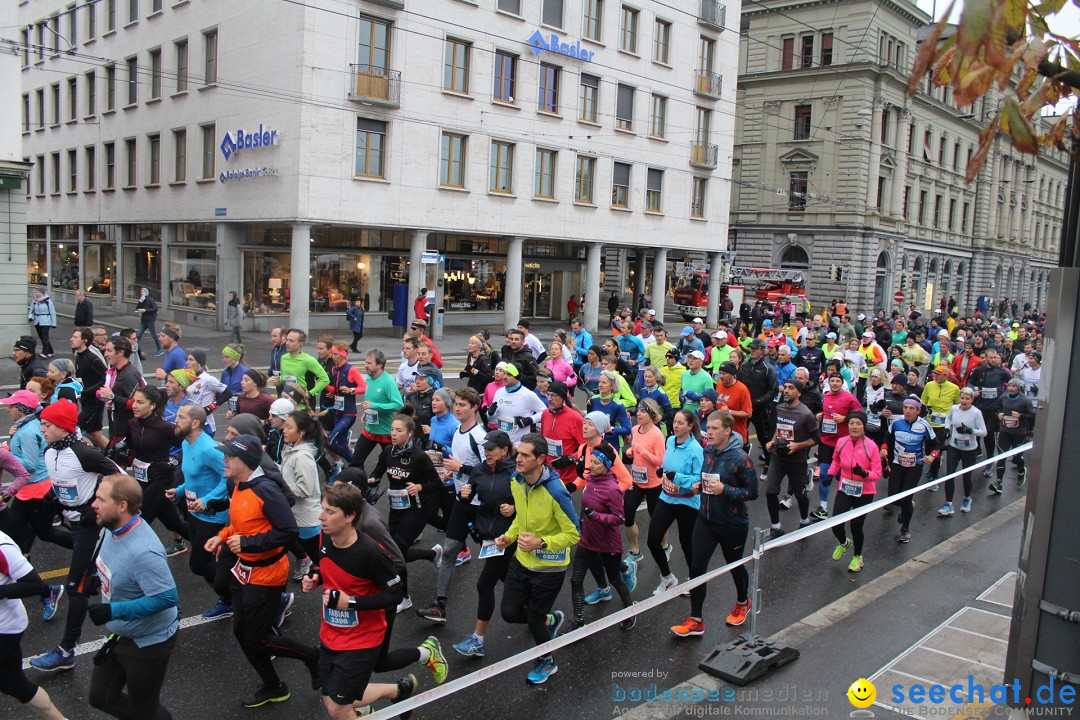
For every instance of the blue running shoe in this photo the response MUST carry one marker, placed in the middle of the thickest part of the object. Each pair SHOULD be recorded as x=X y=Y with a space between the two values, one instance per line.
x=542 y=670
x=629 y=575
x=633 y=557
x=554 y=622
x=55 y=659
x=220 y=609
x=51 y=603
x=471 y=645
x=599 y=595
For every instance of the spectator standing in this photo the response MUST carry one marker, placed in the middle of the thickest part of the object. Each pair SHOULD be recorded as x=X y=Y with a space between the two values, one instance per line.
x=84 y=310
x=42 y=315
x=355 y=315
x=147 y=311
x=234 y=316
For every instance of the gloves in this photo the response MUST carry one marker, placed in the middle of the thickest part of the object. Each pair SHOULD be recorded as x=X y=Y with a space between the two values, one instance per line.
x=692 y=396
x=523 y=421
x=670 y=475
x=858 y=470
x=826 y=479
x=100 y=613
x=878 y=406
x=963 y=429
x=659 y=472
x=563 y=461
x=589 y=512
x=570 y=487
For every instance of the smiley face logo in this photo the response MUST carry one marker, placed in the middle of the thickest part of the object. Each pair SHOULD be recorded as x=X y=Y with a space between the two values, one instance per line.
x=862 y=693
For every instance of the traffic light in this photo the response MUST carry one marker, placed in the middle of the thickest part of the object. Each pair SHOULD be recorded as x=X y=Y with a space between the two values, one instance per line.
x=903 y=281
x=836 y=273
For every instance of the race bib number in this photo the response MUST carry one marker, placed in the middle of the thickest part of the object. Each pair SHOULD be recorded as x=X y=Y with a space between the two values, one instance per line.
x=106 y=578
x=964 y=441
x=989 y=393
x=242 y=572
x=290 y=380
x=639 y=475
x=67 y=494
x=785 y=431
x=551 y=557
x=339 y=618
x=506 y=425
x=873 y=421
x=710 y=483
x=190 y=497
x=625 y=356
x=854 y=488
x=339 y=403
x=371 y=417
x=1011 y=422
x=779 y=397
x=490 y=549
x=905 y=459
x=828 y=426
x=554 y=447
x=139 y=470
x=937 y=418
x=399 y=499
x=232 y=403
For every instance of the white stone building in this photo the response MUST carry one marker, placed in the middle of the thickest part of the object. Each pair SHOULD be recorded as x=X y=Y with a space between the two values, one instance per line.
x=514 y=140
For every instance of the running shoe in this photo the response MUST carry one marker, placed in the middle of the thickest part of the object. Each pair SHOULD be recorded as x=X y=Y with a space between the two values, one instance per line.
x=841 y=549
x=904 y=537
x=264 y=695
x=633 y=557
x=809 y=481
x=786 y=501
x=775 y=533
x=764 y=476
x=302 y=569
x=437 y=662
x=738 y=613
x=1021 y=477
x=406 y=688
x=543 y=668
x=599 y=595
x=437 y=549
x=177 y=548
x=629 y=575
x=856 y=564
x=554 y=622
x=471 y=645
x=666 y=583
x=946 y=510
x=819 y=513
x=688 y=627
x=55 y=659
x=965 y=506
x=159 y=353
x=630 y=622
x=463 y=557
x=995 y=487
x=933 y=488
x=51 y=604
x=220 y=609
x=667 y=552
x=284 y=608
x=434 y=612
x=988 y=471
x=405 y=604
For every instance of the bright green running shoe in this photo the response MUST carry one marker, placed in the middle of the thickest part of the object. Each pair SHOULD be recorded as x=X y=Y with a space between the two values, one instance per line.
x=437 y=662
x=841 y=549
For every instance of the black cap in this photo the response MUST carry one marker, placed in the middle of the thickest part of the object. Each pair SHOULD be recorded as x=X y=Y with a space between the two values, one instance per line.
x=26 y=344
x=796 y=383
x=728 y=367
x=523 y=323
x=899 y=379
x=560 y=389
x=673 y=354
x=757 y=344
x=497 y=438
x=246 y=447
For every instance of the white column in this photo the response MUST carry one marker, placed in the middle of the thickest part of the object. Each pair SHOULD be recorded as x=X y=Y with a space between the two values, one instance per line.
x=639 y=278
x=512 y=306
x=82 y=265
x=591 y=299
x=992 y=205
x=374 y=283
x=875 y=154
x=900 y=173
x=416 y=270
x=168 y=237
x=48 y=260
x=712 y=311
x=659 y=283
x=299 y=280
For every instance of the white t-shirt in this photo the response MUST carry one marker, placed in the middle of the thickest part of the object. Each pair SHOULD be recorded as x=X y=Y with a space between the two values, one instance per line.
x=12 y=567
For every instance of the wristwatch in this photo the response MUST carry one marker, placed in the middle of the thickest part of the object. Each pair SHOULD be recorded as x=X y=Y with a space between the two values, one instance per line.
x=543 y=544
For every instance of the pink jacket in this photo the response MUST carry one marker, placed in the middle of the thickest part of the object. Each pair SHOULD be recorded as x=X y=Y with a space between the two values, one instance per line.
x=562 y=371
x=865 y=454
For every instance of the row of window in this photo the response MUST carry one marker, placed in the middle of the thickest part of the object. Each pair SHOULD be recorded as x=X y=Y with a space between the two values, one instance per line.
x=62 y=169
x=150 y=75
x=80 y=20
x=503 y=168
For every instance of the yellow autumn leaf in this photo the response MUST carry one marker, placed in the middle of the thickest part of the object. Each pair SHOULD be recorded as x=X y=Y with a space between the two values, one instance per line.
x=1018 y=127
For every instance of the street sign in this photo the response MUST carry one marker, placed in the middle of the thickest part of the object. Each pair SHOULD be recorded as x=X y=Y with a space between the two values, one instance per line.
x=430 y=257
x=898 y=297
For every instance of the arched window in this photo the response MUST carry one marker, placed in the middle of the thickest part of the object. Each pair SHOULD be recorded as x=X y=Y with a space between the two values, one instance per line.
x=881 y=283
x=916 y=282
x=794 y=257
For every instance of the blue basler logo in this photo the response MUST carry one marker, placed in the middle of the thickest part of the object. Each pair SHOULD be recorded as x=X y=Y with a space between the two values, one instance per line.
x=555 y=45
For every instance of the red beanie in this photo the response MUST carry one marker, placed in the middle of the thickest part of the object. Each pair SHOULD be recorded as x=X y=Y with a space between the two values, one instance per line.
x=63 y=414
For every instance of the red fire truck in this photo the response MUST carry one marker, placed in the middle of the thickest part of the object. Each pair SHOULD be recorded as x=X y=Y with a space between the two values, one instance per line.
x=692 y=286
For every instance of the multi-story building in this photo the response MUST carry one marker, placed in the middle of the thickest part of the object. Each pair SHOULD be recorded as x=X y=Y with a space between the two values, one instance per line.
x=307 y=154
x=837 y=171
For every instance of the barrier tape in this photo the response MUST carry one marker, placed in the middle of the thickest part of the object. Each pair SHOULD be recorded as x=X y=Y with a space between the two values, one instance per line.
x=429 y=696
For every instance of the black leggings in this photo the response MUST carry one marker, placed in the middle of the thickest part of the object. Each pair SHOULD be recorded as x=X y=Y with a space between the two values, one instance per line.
x=440 y=518
x=84 y=542
x=254 y=610
x=13 y=680
x=904 y=478
x=957 y=457
x=364 y=446
x=493 y=573
x=663 y=516
x=405 y=527
x=843 y=503
x=34 y=517
x=632 y=499
x=1007 y=441
x=156 y=505
x=203 y=563
x=139 y=669
x=939 y=433
x=389 y=660
x=583 y=561
x=732 y=540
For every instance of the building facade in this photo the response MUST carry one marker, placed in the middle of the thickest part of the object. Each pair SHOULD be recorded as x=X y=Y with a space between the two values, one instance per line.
x=837 y=171
x=305 y=155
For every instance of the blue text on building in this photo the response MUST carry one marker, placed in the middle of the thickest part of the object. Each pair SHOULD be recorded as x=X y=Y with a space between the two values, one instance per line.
x=247 y=140
x=555 y=45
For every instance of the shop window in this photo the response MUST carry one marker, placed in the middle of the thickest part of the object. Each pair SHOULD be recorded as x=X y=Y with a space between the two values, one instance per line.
x=193 y=278
x=35 y=263
x=99 y=268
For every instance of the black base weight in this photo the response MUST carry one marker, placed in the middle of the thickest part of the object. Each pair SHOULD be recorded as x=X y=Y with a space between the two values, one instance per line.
x=743 y=660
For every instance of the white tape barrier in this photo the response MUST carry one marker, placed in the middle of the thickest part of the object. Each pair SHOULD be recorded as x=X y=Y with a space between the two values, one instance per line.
x=525 y=656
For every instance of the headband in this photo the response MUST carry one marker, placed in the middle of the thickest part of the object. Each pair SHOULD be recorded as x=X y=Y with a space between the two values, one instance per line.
x=339 y=351
x=170 y=332
x=599 y=455
x=228 y=351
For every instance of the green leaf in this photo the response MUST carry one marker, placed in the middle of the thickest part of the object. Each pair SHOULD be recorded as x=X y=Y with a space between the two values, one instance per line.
x=975 y=25
x=1018 y=127
x=1015 y=13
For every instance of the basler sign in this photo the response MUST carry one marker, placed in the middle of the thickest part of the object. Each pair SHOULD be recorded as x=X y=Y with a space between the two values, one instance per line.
x=554 y=44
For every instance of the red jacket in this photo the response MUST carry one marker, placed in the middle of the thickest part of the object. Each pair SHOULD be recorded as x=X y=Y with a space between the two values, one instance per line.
x=420 y=308
x=565 y=427
x=959 y=379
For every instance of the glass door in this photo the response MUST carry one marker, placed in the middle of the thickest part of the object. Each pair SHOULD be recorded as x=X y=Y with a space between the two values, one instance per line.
x=536 y=301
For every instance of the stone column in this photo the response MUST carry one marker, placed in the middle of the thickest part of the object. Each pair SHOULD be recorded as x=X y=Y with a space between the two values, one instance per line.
x=992 y=204
x=712 y=310
x=229 y=238
x=874 y=170
x=48 y=260
x=900 y=174
x=416 y=270
x=639 y=278
x=299 y=280
x=591 y=299
x=512 y=306
x=659 y=283
x=82 y=263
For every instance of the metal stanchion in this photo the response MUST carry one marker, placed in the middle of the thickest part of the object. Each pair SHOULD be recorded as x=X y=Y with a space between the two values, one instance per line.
x=749 y=657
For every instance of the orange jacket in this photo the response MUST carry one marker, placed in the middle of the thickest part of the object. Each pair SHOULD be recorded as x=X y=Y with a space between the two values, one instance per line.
x=618 y=469
x=261 y=515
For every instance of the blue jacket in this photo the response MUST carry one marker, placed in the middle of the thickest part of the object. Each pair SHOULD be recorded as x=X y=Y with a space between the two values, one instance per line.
x=616 y=412
x=736 y=471
x=203 y=467
x=28 y=446
x=685 y=461
x=356 y=318
x=43 y=312
x=631 y=345
x=785 y=372
x=230 y=377
x=582 y=342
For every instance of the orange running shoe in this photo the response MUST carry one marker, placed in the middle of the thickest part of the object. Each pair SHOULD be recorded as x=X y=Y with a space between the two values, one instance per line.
x=738 y=613
x=689 y=626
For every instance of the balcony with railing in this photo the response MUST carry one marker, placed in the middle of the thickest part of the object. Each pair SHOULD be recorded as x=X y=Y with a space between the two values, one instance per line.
x=712 y=14
x=708 y=84
x=375 y=85
x=704 y=155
